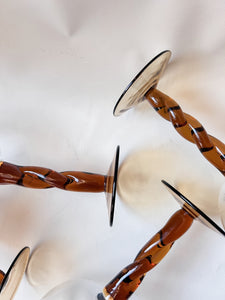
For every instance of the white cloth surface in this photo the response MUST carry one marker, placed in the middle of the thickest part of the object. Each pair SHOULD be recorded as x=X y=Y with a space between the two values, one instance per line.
x=63 y=65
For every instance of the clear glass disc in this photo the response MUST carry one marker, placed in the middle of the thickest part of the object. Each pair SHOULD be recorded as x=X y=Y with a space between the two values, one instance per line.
x=111 y=184
x=14 y=275
x=147 y=78
x=193 y=210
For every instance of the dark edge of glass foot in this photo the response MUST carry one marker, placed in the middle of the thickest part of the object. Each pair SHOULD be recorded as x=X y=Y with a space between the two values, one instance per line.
x=134 y=79
x=193 y=206
x=5 y=279
x=113 y=198
x=100 y=296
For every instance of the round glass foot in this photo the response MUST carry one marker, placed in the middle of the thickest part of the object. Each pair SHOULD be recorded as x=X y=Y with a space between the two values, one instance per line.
x=111 y=184
x=147 y=78
x=193 y=210
x=14 y=275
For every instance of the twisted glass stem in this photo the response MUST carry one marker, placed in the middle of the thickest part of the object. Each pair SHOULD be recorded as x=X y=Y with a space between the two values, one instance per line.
x=189 y=128
x=2 y=275
x=42 y=178
x=127 y=281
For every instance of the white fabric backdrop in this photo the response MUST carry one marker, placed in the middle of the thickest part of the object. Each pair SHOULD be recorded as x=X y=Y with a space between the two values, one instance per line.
x=63 y=65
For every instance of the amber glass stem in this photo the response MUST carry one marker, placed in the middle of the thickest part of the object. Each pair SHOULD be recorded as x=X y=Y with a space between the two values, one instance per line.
x=127 y=281
x=188 y=127
x=2 y=275
x=42 y=178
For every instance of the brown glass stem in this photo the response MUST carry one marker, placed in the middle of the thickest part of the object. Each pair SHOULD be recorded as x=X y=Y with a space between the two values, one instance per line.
x=127 y=281
x=188 y=127
x=2 y=275
x=42 y=178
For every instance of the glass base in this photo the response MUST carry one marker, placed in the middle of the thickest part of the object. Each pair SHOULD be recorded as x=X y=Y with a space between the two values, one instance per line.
x=111 y=184
x=147 y=78
x=14 y=274
x=193 y=210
